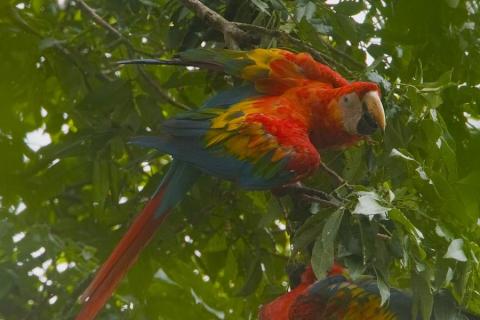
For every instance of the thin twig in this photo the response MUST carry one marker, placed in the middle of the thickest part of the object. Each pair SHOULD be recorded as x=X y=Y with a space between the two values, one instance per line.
x=382 y=236
x=320 y=200
x=230 y=31
x=345 y=56
x=104 y=24
x=340 y=180
x=282 y=206
x=313 y=194
x=159 y=90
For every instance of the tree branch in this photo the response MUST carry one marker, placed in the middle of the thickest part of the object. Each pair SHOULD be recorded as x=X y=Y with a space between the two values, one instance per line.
x=318 y=55
x=313 y=194
x=231 y=32
x=164 y=95
x=104 y=24
x=283 y=35
x=336 y=176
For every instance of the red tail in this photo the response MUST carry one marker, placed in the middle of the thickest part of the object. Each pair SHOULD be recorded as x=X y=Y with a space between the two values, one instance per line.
x=121 y=259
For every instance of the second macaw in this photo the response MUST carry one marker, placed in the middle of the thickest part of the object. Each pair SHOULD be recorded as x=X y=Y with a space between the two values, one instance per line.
x=262 y=136
x=337 y=297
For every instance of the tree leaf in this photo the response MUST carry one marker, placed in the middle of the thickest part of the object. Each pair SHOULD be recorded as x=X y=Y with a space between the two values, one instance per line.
x=455 y=251
x=422 y=295
x=323 y=252
x=368 y=204
x=261 y=5
x=452 y=3
x=253 y=278
x=349 y=8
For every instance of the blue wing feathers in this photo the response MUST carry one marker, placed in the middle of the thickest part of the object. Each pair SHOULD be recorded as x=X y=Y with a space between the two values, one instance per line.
x=183 y=138
x=185 y=128
x=148 y=142
x=214 y=161
x=228 y=97
x=176 y=183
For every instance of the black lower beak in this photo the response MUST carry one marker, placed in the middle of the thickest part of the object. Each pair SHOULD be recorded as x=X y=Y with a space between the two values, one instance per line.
x=367 y=125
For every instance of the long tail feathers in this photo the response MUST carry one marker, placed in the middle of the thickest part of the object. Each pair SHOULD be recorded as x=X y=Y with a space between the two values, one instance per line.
x=174 y=62
x=175 y=184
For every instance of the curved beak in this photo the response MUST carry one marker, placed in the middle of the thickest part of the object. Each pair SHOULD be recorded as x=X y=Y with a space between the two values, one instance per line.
x=374 y=108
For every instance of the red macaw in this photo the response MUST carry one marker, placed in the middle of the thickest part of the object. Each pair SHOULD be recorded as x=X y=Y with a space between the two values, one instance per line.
x=338 y=298
x=262 y=137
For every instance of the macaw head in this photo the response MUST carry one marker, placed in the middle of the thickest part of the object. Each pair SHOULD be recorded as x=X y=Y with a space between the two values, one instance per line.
x=308 y=276
x=360 y=108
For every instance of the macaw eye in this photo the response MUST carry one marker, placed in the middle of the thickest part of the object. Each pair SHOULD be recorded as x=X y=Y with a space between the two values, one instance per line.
x=349 y=100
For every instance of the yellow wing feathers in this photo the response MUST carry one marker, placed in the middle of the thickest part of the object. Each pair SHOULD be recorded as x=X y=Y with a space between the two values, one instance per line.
x=261 y=67
x=241 y=137
x=355 y=303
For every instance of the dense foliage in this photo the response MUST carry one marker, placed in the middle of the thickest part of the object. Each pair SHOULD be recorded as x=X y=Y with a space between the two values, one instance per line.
x=70 y=183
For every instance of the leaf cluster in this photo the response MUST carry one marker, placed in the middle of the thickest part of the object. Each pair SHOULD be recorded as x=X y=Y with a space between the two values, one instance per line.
x=70 y=182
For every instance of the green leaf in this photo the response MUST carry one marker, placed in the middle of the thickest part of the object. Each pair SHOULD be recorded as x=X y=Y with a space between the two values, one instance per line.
x=463 y=274
x=253 y=278
x=455 y=251
x=58 y=75
x=383 y=289
x=37 y=6
x=452 y=3
x=305 y=10
x=101 y=183
x=150 y=3
x=323 y=252
x=261 y=5
x=422 y=295
x=308 y=232
x=7 y=283
x=349 y=8
x=48 y=43
x=399 y=217
x=368 y=204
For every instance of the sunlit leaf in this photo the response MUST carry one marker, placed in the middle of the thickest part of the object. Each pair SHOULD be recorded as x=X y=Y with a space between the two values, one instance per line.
x=455 y=250
x=368 y=204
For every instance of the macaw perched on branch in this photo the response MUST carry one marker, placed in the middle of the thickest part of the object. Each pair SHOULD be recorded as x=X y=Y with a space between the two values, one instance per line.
x=261 y=136
x=338 y=298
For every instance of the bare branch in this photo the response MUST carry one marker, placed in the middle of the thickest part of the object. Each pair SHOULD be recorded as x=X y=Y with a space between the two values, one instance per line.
x=313 y=194
x=319 y=56
x=321 y=200
x=159 y=90
x=336 y=176
x=104 y=24
x=231 y=32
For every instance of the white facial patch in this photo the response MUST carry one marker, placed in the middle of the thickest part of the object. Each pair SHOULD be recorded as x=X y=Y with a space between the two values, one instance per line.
x=351 y=107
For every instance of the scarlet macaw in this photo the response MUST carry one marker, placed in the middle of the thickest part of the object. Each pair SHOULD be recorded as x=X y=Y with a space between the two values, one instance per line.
x=339 y=298
x=261 y=136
